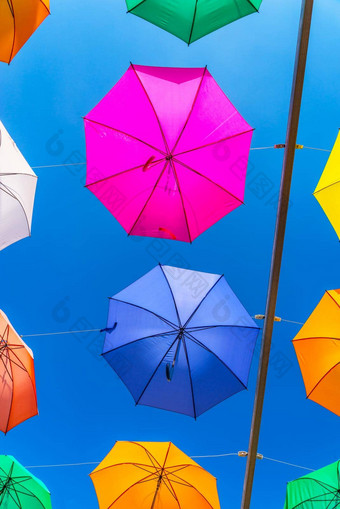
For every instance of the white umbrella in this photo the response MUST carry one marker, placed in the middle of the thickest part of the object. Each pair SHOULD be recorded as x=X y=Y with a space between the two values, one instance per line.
x=17 y=189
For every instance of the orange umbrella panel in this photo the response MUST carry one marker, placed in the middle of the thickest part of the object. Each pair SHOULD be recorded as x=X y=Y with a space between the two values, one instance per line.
x=18 y=20
x=317 y=346
x=152 y=475
x=18 y=400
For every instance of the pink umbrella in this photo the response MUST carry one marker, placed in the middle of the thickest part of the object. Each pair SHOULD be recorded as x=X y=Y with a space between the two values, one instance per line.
x=167 y=152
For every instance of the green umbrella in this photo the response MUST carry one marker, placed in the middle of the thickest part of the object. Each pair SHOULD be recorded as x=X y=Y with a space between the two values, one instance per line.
x=19 y=488
x=317 y=490
x=192 y=19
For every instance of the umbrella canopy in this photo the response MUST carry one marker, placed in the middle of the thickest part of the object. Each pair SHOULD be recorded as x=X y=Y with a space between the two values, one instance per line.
x=18 y=20
x=167 y=152
x=180 y=340
x=317 y=490
x=327 y=191
x=18 y=400
x=189 y=19
x=19 y=488
x=152 y=475
x=317 y=347
x=17 y=190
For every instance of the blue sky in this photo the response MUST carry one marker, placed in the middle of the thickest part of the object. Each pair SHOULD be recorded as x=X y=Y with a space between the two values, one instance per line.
x=79 y=255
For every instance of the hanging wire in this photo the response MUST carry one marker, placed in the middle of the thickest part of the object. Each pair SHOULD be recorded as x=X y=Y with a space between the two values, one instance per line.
x=273 y=147
x=289 y=464
x=291 y=321
x=319 y=149
x=256 y=317
x=209 y=456
x=60 y=333
x=57 y=165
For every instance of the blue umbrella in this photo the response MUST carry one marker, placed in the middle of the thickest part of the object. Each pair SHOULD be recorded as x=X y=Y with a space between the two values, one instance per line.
x=180 y=340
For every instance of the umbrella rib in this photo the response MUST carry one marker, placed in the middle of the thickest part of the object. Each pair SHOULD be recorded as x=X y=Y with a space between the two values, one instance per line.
x=12 y=395
x=148 y=453
x=190 y=377
x=211 y=181
x=147 y=201
x=15 y=174
x=332 y=298
x=6 y=190
x=153 y=374
x=194 y=488
x=172 y=295
x=43 y=3
x=192 y=338
x=128 y=489
x=321 y=380
x=193 y=23
x=251 y=3
x=321 y=483
x=182 y=199
x=147 y=310
x=135 y=7
x=29 y=492
x=153 y=108
x=315 y=500
x=171 y=489
x=140 y=339
x=5 y=366
x=15 y=363
x=125 y=134
x=29 y=376
x=137 y=465
x=152 y=164
x=326 y=187
x=208 y=327
x=11 y=7
x=319 y=338
x=214 y=143
x=206 y=295
x=192 y=108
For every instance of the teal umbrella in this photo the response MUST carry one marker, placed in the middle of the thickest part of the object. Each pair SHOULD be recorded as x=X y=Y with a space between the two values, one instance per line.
x=19 y=488
x=192 y=19
x=317 y=490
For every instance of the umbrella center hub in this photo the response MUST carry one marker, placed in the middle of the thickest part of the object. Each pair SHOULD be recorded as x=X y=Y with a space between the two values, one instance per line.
x=169 y=157
x=181 y=331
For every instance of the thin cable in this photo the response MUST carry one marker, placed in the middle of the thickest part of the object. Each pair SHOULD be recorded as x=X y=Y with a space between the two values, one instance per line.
x=59 y=333
x=101 y=330
x=319 y=149
x=91 y=463
x=215 y=455
x=65 y=465
x=291 y=321
x=289 y=464
x=253 y=148
x=262 y=148
x=56 y=165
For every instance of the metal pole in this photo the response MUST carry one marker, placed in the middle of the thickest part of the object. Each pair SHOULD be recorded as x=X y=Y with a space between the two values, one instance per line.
x=287 y=171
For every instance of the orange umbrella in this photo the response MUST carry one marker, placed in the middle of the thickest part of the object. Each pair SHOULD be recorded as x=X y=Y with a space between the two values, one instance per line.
x=18 y=400
x=317 y=347
x=18 y=20
x=153 y=475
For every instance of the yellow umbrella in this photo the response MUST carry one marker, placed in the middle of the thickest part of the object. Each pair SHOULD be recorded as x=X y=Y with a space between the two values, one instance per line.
x=327 y=191
x=18 y=20
x=317 y=346
x=152 y=475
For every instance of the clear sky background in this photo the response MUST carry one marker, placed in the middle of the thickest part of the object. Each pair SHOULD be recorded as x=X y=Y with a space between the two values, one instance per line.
x=79 y=255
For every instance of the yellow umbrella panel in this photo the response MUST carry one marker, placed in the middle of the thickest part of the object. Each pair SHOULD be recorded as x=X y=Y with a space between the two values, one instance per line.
x=18 y=20
x=152 y=475
x=317 y=347
x=327 y=191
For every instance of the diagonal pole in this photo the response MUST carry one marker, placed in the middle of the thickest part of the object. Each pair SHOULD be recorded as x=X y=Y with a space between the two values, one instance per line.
x=287 y=171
